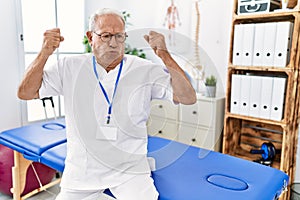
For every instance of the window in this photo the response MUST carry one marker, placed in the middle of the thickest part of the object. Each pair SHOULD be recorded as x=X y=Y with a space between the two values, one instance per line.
x=37 y=17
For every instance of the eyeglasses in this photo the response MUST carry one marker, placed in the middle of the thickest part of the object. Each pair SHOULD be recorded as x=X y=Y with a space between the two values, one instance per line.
x=106 y=37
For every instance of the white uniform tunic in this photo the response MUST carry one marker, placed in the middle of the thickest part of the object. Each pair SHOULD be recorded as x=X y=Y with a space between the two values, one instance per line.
x=94 y=159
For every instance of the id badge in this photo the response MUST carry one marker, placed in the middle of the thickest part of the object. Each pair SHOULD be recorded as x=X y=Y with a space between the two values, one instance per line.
x=107 y=132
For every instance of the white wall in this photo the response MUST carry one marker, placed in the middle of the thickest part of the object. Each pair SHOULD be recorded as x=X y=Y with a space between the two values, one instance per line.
x=214 y=38
x=215 y=23
x=10 y=110
x=211 y=39
x=215 y=16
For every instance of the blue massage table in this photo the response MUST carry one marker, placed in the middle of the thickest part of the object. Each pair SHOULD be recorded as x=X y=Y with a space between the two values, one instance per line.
x=29 y=143
x=182 y=171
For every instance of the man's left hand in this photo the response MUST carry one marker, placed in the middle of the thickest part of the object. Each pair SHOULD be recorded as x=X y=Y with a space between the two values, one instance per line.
x=157 y=42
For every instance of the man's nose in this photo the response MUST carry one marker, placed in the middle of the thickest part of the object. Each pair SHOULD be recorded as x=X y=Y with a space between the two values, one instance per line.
x=113 y=42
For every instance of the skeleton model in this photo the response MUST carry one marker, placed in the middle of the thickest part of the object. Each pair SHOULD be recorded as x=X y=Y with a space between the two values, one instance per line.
x=198 y=71
x=172 y=17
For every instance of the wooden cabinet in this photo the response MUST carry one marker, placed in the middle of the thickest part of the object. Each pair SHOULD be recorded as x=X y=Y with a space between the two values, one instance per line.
x=243 y=132
x=200 y=124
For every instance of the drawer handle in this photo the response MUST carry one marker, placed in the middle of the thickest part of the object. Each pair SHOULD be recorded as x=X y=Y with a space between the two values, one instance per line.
x=194 y=112
x=193 y=139
x=160 y=131
x=160 y=106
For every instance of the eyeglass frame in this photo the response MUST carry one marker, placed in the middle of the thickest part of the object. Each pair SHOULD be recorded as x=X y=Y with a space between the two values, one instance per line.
x=111 y=35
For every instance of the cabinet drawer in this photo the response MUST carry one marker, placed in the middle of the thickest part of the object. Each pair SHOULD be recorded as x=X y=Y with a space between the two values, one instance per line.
x=162 y=128
x=200 y=113
x=201 y=137
x=164 y=109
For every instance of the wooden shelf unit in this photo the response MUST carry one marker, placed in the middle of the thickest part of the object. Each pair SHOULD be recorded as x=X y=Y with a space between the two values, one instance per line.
x=243 y=133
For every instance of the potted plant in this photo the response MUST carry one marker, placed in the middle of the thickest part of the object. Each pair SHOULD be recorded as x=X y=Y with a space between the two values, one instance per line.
x=210 y=83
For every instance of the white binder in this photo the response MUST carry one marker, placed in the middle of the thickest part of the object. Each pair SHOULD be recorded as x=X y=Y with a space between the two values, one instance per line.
x=237 y=45
x=278 y=94
x=258 y=44
x=235 y=93
x=255 y=93
x=245 y=95
x=248 y=40
x=269 y=44
x=282 y=44
x=266 y=97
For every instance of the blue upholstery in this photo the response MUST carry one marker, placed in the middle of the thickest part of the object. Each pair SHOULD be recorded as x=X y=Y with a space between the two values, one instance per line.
x=34 y=139
x=182 y=171
x=190 y=176
x=55 y=157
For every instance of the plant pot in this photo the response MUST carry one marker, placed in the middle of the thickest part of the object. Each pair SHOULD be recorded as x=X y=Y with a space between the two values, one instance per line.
x=210 y=91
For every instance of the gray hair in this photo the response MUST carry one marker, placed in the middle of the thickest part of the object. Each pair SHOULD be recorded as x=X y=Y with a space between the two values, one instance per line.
x=104 y=11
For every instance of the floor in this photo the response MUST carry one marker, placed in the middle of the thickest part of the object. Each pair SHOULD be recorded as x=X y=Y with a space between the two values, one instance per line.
x=50 y=194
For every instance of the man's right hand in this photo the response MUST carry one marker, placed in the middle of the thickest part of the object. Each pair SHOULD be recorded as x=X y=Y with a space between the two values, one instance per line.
x=32 y=81
x=52 y=39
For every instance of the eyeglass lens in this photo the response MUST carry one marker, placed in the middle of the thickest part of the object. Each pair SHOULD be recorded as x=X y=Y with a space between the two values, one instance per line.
x=106 y=37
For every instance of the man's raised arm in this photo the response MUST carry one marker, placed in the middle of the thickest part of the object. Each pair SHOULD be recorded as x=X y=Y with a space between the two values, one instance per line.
x=31 y=83
x=183 y=91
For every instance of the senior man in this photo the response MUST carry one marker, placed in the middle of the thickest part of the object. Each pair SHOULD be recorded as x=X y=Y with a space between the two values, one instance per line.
x=107 y=98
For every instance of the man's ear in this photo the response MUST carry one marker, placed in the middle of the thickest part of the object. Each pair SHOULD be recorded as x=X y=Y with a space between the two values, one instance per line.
x=89 y=36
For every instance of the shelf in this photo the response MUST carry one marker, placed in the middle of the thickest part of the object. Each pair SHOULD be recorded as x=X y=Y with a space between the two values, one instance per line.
x=243 y=133
x=267 y=17
x=244 y=154
x=265 y=69
x=260 y=120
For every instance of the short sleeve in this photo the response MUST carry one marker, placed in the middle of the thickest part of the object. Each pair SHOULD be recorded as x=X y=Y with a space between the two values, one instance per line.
x=52 y=81
x=161 y=88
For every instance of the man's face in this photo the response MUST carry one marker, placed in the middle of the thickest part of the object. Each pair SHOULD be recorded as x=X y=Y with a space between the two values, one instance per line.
x=111 y=51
